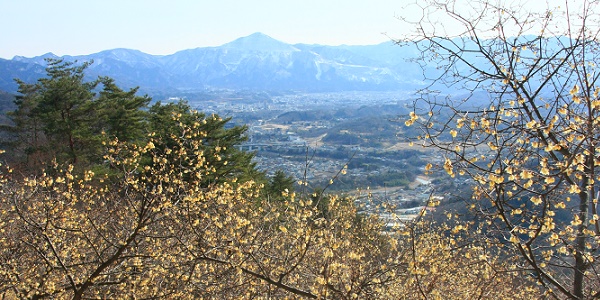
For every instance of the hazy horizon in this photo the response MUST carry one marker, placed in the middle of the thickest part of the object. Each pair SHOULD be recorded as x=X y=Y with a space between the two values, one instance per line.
x=109 y=49
x=71 y=27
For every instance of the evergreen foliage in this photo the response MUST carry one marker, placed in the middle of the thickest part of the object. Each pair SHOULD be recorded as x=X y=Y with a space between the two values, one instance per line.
x=121 y=114
x=217 y=143
x=60 y=120
x=279 y=185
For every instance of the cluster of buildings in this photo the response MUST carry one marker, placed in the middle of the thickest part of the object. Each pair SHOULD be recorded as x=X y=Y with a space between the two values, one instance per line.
x=279 y=146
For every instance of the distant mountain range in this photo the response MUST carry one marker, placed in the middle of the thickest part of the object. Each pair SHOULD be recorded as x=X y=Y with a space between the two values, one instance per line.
x=254 y=62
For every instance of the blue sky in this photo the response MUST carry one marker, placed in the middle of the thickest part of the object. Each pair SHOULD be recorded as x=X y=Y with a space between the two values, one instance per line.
x=74 y=27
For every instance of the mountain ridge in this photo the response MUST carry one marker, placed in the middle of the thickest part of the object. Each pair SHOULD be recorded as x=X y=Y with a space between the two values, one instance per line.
x=256 y=62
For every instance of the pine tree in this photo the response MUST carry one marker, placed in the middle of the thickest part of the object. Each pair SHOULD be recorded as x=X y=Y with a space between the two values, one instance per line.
x=219 y=140
x=25 y=137
x=52 y=116
x=121 y=114
x=63 y=108
x=279 y=185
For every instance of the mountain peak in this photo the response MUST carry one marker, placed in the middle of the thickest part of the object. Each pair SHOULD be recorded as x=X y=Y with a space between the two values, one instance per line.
x=256 y=62
x=259 y=42
x=124 y=54
x=39 y=59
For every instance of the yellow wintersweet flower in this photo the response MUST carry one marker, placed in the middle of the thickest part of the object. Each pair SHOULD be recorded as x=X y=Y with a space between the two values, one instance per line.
x=453 y=133
x=574 y=189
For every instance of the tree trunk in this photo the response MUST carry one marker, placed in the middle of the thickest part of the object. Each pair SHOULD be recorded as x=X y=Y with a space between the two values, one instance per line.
x=580 y=264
